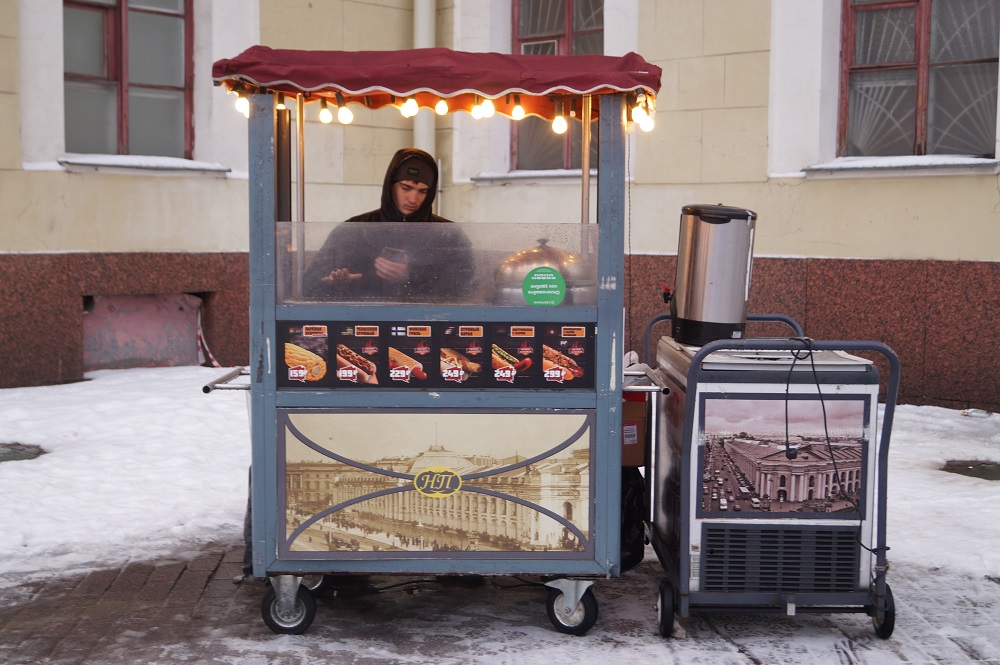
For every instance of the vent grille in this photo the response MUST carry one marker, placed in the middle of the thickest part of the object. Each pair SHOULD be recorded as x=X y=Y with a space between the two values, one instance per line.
x=779 y=559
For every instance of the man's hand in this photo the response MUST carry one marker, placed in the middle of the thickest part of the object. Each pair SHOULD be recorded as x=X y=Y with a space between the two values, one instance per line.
x=392 y=271
x=342 y=276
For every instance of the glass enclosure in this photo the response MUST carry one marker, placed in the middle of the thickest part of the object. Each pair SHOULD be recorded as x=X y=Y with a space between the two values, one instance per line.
x=495 y=264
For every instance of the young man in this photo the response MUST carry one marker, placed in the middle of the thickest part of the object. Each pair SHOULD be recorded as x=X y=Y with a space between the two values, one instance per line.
x=381 y=258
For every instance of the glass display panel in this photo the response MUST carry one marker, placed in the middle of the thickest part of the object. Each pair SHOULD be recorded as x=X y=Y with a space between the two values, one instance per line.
x=497 y=264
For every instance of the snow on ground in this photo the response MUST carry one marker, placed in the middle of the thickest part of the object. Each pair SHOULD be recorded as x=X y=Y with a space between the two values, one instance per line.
x=140 y=461
x=141 y=464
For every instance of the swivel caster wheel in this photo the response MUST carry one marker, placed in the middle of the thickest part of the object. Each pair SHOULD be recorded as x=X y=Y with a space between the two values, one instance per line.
x=575 y=621
x=294 y=623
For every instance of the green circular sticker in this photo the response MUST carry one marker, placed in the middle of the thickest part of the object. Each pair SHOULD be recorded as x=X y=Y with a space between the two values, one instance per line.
x=544 y=287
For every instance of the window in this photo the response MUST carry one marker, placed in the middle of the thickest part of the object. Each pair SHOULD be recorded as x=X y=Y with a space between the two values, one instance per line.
x=554 y=27
x=919 y=77
x=128 y=77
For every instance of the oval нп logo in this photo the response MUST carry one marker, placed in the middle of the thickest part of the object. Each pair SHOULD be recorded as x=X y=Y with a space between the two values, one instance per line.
x=437 y=482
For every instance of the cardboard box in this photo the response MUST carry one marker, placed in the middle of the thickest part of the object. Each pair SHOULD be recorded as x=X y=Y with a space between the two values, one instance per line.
x=634 y=429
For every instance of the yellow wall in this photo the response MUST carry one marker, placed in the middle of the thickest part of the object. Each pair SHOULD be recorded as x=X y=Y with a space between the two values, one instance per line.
x=710 y=145
x=51 y=211
x=46 y=208
x=10 y=137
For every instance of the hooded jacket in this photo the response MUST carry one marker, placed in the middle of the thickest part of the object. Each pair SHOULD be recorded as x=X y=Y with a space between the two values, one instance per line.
x=440 y=256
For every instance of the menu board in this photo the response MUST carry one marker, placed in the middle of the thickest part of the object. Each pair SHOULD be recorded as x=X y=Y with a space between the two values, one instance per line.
x=438 y=355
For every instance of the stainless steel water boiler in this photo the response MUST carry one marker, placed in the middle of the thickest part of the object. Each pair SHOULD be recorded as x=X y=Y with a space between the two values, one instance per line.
x=714 y=260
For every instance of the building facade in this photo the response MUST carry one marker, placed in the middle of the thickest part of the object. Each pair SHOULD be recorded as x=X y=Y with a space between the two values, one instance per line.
x=761 y=107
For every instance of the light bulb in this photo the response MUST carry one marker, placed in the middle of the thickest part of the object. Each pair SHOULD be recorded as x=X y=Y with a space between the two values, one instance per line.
x=517 y=113
x=409 y=108
x=325 y=115
x=638 y=114
x=487 y=108
x=646 y=124
x=281 y=102
x=441 y=108
x=344 y=114
x=243 y=105
x=477 y=111
x=559 y=125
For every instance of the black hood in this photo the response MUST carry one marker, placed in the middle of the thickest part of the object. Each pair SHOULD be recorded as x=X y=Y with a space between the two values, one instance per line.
x=388 y=209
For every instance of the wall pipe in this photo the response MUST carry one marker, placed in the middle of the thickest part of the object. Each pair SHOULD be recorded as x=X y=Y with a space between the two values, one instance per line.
x=424 y=36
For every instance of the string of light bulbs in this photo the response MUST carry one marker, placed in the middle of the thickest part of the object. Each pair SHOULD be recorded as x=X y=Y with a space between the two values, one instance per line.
x=641 y=112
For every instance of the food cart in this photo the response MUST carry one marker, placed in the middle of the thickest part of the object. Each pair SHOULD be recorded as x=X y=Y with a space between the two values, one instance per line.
x=467 y=429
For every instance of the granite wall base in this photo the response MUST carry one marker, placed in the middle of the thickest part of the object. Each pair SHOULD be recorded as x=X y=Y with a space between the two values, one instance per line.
x=938 y=316
x=43 y=300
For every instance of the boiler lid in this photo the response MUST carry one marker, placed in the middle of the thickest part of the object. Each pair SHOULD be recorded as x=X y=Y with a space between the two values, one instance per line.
x=718 y=214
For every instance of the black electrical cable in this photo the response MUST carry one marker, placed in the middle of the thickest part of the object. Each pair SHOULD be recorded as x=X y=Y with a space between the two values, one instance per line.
x=841 y=494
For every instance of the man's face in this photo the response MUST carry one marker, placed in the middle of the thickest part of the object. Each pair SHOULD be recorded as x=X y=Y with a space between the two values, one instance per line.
x=408 y=195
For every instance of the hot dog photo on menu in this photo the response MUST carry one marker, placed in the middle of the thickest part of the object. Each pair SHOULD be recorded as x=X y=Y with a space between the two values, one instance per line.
x=353 y=366
x=512 y=354
x=404 y=367
x=464 y=356
x=456 y=366
x=556 y=363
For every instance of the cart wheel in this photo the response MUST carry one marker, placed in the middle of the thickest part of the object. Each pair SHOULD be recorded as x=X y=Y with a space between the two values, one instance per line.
x=884 y=627
x=317 y=584
x=302 y=616
x=580 y=620
x=665 y=609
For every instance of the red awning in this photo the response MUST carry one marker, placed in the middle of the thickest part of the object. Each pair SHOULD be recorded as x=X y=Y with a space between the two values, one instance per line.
x=379 y=78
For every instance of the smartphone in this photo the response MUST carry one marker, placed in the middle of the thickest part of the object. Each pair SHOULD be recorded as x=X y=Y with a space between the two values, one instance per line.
x=393 y=254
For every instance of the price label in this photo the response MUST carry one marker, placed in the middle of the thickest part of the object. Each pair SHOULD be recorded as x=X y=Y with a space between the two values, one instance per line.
x=505 y=373
x=400 y=374
x=554 y=374
x=297 y=373
x=452 y=373
x=348 y=374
